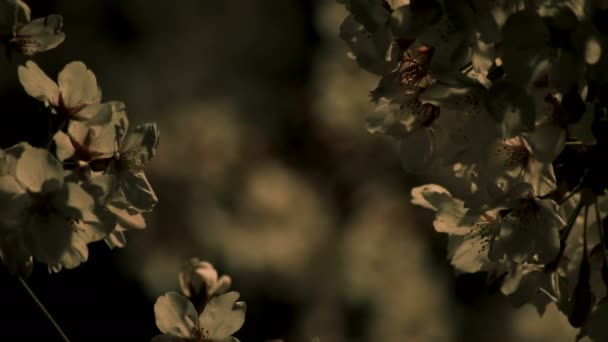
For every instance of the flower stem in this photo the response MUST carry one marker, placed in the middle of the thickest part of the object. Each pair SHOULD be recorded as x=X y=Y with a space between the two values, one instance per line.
x=585 y=231
x=600 y=231
x=43 y=309
x=570 y=224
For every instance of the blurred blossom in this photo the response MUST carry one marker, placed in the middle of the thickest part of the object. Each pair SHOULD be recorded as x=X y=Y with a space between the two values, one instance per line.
x=337 y=78
x=212 y=132
x=276 y=222
x=386 y=262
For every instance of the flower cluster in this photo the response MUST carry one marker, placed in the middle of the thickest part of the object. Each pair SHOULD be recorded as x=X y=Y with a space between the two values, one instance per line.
x=502 y=106
x=204 y=311
x=87 y=182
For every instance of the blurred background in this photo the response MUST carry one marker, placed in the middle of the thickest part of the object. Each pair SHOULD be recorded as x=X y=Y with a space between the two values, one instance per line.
x=264 y=169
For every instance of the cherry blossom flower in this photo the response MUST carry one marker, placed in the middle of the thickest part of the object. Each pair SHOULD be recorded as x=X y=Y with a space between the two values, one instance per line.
x=470 y=236
x=515 y=159
x=463 y=117
x=76 y=94
x=43 y=211
x=178 y=319
x=529 y=230
x=89 y=144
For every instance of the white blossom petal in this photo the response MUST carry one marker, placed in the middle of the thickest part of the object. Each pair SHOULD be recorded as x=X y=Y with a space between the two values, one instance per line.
x=37 y=168
x=37 y=84
x=430 y=196
x=223 y=316
x=78 y=86
x=64 y=148
x=175 y=315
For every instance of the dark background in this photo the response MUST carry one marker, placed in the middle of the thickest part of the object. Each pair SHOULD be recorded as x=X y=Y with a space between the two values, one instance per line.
x=265 y=169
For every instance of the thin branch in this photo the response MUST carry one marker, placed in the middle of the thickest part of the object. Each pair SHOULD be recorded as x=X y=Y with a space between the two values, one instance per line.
x=44 y=310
